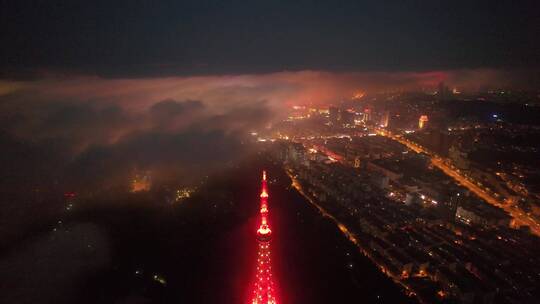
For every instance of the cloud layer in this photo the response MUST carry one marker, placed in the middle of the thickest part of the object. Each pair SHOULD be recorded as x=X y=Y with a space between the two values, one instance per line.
x=91 y=122
x=224 y=91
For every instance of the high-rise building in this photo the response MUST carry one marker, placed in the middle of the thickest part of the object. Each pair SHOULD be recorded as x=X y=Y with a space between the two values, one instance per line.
x=357 y=162
x=263 y=289
x=385 y=118
x=443 y=91
x=438 y=141
x=367 y=115
x=333 y=115
x=347 y=118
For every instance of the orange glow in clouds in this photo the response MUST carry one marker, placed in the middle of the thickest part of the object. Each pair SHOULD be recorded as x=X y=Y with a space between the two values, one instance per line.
x=276 y=89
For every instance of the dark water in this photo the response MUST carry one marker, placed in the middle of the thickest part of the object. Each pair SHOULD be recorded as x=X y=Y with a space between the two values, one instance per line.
x=118 y=249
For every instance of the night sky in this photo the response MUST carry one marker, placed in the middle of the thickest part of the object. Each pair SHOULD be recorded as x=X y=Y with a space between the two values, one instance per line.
x=156 y=38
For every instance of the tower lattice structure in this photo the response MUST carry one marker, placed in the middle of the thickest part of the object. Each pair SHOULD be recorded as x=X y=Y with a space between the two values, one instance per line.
x=263 y=289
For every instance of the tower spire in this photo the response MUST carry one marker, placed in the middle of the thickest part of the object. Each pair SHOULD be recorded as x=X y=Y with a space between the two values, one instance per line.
x=263 y=289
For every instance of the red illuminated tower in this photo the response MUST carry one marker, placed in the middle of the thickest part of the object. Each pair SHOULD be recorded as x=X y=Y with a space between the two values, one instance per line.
x=264 y=292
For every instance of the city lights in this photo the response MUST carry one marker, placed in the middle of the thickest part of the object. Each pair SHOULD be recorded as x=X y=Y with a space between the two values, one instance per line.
x=402 y=142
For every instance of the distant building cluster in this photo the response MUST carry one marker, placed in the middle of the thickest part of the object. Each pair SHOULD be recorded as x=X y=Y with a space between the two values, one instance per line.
x=141 y=182
x=183 y=193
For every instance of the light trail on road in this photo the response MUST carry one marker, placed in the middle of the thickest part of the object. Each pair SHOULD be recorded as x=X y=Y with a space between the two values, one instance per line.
x=518 y=219
x=347 y=233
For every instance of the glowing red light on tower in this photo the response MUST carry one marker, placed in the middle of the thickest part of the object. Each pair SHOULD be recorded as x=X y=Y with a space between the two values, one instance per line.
x=263 y=289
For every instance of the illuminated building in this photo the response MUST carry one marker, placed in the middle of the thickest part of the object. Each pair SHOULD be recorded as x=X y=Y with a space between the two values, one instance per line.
x=347 y=118
x=263 y=289
x=358 y=95
x=422 y=121
x=385 y=119
x=367 y=115
x=324 y=111
x=183 y=193
x=141 y=182
x=334 y=115
x=357 y=162
x=471 y=212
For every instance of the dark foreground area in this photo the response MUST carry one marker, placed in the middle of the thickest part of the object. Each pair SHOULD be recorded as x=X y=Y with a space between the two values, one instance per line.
x=135 y=248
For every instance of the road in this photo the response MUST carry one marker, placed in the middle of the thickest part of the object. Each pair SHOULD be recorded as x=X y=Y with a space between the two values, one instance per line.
x=519 y=217
x=347 y=233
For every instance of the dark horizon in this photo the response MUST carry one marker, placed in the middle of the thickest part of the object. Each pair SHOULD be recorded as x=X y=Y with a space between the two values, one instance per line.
x=185 y=38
